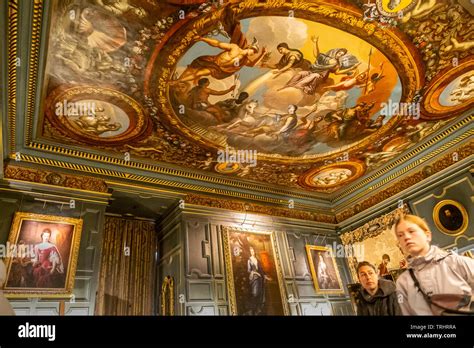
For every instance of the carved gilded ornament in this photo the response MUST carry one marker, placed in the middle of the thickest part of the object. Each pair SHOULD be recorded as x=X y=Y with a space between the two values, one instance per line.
x=54 y=178
x=374 y=227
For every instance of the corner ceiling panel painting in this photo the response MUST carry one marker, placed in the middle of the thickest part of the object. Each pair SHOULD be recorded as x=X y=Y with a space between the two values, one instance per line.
x=308 y=95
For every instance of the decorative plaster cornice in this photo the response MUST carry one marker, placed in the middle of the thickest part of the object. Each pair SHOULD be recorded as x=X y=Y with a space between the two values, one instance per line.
x=257 y=208
x=400 y=185
x=232 y=202
x=373 y=227
x=55 y=178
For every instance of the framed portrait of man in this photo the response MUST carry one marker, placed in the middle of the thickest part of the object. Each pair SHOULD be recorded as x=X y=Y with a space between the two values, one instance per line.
x=324 y=270
x=254 y=278
x=43 y=255
x=450 y=217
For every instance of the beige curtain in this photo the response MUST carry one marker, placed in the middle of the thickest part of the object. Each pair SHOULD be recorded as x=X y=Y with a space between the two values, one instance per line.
x=127 y=275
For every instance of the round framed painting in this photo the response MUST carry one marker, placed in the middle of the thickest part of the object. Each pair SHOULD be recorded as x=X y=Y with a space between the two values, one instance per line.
x=450 y=217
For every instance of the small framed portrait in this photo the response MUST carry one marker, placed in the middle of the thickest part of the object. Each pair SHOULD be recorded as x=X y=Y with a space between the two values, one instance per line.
x=43 y=255
x=254 y=277
x=450 y=217
x=324 y=270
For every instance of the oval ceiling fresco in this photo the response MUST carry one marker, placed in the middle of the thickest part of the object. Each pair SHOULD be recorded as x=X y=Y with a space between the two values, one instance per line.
x=285 y=86
x=293 y=88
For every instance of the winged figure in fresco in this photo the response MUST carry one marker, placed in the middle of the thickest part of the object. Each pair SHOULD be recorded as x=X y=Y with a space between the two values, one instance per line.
x=336 y=61
x=360 y=80
x=234 y=56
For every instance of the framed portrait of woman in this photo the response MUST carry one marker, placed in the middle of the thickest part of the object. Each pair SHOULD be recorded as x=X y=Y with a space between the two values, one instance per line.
x=255 y=281
x=450 y=217
x=324 y=270
x=43 y=255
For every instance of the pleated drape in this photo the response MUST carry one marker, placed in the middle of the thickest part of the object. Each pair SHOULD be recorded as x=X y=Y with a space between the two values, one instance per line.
x=127 y=273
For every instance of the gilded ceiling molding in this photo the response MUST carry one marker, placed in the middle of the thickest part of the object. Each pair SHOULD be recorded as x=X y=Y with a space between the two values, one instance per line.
x=12 y=67
x=228 y=181
x=428 y=170
x=373 y=227
x=445 y=162
x=151 y=180
x=402 y=160
x=54 y=178
x=33 y=67
x=150 y=168
x=257 y=208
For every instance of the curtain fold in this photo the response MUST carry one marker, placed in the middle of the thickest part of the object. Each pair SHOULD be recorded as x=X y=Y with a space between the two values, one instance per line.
x=128 y=268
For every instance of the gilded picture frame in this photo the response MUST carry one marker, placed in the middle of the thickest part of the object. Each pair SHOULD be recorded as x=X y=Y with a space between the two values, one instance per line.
x=324 y=270
x=255 y=281
x=450 y=217
x=43 y=256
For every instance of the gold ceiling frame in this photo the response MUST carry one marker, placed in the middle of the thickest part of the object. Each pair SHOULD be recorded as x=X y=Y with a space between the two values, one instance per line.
x=33 y=63
x=32 y=79
x=431 y=107
x=131 y=107
x=392 y=46
x=12 y=40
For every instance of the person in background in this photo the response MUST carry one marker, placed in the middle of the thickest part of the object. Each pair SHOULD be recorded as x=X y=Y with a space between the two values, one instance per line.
x=377 y=296
x=5 y=306
x=434 y=276
x=383 y=269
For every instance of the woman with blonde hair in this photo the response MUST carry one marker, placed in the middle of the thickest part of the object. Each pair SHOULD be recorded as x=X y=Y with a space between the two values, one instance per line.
x=436 y=282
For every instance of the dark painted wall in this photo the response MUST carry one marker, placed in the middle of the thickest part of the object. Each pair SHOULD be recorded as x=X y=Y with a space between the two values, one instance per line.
x=459 y=189
x=197 y=242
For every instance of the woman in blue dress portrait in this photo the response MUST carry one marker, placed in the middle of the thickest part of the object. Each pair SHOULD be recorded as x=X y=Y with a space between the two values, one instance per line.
x=257 y=277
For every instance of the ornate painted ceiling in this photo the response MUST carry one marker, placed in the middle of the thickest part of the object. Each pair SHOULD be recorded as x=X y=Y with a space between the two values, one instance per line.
x=311 y=99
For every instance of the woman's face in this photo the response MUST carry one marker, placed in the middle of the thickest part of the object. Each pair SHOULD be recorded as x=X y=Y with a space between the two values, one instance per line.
x=252 y=252
x=45 y=236
x=412 y=239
